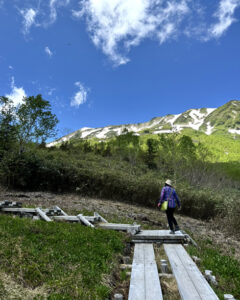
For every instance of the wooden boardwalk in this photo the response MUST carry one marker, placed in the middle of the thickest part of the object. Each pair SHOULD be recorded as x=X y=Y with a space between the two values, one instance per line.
x=145 y=284
x=191 y=282
x=158 y=236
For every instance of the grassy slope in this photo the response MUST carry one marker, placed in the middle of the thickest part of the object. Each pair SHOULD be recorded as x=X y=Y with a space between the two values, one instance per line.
x=224 y=267
x=71 y=261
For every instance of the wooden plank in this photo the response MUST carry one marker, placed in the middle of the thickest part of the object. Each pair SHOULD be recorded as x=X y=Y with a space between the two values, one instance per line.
x=66 y=218
x=84 y=220
x=158 y=235
x=202 y=286
x=121 y=227
x=19 y=210
x=137 y=286
x=73 y=218
x=63 y=212
x=100 y=217
x=191 y=283
x=145 y=284
x=42 y=214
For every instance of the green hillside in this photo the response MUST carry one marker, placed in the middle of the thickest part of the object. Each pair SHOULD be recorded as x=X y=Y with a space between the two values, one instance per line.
x=226 y=116
x=66 y=261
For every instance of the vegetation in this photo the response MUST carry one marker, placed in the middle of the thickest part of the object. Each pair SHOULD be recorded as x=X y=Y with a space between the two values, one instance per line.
x=70 y=261
x=224 y=267
x=126 y=168
x=205 y=171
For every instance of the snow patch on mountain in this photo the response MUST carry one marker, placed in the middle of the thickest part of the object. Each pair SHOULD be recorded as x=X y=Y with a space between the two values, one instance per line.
x=234 y=131
x=209 y=129
x=159 y=125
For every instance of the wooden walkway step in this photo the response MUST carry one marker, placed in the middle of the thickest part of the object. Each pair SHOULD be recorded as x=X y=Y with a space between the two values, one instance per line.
x=144 y=284
x=163 y=236
x=133 y=229
x=191 y=282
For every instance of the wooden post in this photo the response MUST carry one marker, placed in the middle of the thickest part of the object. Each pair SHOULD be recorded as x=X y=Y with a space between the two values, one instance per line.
x=118 y=297
x=164 y=266
x=228 y=297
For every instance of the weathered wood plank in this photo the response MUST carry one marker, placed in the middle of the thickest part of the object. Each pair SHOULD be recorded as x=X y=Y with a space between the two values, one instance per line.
x=158 y=235
x=42 y=214
x=191 y=283
x=66 y=218
x=145 y=284
x=19 y=210
x=121 y=227
x=63 y=212
x=84 y=220
x=100 y=217
x=73 y=218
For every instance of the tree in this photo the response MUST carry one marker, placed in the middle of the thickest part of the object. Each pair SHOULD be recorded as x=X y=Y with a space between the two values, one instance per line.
x=36 y=122
x=30 y=121
x=152 y=152
x=8 y=129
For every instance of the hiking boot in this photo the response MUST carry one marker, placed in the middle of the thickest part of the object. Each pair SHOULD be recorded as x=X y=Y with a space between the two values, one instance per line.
x=172 y=232
x=177 y=228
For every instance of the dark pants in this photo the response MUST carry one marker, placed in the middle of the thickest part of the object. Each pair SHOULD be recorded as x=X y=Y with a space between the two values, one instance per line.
x=170 y=217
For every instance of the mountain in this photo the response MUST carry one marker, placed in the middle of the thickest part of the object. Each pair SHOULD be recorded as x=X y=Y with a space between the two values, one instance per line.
x=224 y=119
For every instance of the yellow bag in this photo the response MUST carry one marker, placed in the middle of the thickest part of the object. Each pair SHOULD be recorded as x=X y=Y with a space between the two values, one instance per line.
x=164 y=205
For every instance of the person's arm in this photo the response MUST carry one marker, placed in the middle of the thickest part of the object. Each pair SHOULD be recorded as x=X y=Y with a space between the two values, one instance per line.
x=160 y=201
x=177 y=199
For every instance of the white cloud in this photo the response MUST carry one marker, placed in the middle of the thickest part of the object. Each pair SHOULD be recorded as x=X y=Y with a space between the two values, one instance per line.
x=29 y=16
x=53 y=4
x=81 y=95
x=17 y=94
x=48 y=51
x=117 y=25
x=44 y=15
x=225 y=15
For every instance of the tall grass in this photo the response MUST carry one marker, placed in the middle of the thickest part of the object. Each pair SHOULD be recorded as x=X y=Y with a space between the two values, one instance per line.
x=71 y=261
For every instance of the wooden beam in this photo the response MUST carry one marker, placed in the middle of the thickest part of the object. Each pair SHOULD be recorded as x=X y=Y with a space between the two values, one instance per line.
x=191 y=283
x=100 y=217
x=42 y=214
x=144 y=284
x=63 y=212
x=120 y=227
x=19 y=210
x=84 y=220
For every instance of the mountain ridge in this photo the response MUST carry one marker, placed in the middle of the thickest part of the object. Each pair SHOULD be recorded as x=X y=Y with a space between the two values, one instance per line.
x=225 y=118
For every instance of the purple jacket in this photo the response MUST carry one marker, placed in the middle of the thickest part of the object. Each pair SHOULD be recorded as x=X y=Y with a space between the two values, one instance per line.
x=168 y=193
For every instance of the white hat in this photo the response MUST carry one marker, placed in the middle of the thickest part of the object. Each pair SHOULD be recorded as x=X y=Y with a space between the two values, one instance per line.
x=169 y=182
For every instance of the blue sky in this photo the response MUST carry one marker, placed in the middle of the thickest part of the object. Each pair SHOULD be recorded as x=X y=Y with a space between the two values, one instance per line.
x=111 y=62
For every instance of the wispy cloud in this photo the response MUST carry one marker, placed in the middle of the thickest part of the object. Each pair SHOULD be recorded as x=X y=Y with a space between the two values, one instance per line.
x=117 y=25
x=80 y=96
x=17 y=93
x=29 y=16
x=48 y=51
x=44 y=15
x=225 y=16
x=53 y=4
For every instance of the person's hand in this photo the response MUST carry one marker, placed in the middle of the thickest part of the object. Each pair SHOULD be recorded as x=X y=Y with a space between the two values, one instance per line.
x=159 y=204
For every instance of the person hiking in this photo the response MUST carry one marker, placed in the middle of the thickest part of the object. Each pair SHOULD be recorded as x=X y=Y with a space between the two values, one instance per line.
x=169 y=194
